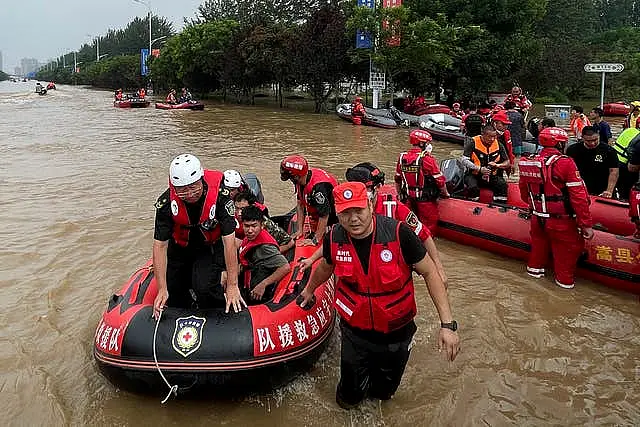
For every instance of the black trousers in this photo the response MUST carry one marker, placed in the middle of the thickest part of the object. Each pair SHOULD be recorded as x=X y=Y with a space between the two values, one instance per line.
x=496 y=183
x=369 y=368
x=193 y=277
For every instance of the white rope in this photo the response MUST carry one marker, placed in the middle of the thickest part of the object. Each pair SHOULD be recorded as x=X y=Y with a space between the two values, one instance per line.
x=173 y=389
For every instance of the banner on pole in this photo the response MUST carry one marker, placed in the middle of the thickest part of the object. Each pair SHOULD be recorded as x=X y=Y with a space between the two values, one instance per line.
x=155 y=53
x=363 y=38
x=394 y=28
x=144 y=54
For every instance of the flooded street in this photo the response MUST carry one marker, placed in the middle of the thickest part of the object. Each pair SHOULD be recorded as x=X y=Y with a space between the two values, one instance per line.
x=78 y=183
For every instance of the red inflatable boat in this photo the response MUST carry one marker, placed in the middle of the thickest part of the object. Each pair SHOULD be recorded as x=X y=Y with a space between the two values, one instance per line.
x=432 y=109
x=193 y=105
x=608 y=215
x=616 y=109
x=609 y=259
x=257 y=349
x=132 y=103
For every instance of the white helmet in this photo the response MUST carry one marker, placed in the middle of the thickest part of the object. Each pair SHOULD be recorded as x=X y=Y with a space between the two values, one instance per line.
x=184 y=170
x=232 y=178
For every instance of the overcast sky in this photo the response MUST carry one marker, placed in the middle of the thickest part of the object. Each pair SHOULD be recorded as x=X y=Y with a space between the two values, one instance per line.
x=43 y=29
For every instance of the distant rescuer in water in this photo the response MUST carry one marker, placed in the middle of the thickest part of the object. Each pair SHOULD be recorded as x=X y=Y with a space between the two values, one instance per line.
x=373 y=258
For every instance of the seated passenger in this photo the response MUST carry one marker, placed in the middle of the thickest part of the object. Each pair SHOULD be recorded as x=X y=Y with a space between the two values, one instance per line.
x=171 y=97
x=246 y=198
x=118 y=95
x=263 y=266
x=486 y=160
x=185 y=95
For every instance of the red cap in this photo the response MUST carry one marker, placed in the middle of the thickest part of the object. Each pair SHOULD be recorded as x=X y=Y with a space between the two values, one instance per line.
x=501 y=116
x=350 y=195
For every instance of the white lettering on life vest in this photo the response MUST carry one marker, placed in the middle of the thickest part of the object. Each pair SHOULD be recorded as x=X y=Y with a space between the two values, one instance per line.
x=343 y=256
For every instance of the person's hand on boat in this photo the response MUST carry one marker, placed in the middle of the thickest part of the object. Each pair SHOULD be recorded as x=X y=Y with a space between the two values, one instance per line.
x=305 y=299
x=485 y=171
x=587 y=233
x=305 y=263
x=233 y=298
x=606 y=194
x=444 y=192
x=258 y=291
x=449 y=341
x=159 y=302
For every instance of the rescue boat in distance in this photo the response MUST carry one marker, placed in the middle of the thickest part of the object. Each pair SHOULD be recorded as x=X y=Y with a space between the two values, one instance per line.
x=257 y=349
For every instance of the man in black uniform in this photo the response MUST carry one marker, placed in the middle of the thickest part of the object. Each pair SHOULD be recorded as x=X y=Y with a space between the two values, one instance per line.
x=373 y=258
x=194 y=240
x=472 y=123
x=597 y=163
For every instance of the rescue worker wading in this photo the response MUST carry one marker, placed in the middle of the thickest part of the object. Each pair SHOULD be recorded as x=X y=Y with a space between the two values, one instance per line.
x=194 y=240
x=357 y=111
x=314 y=194
x=373 y=258
x=559 y=201
x=419 y=180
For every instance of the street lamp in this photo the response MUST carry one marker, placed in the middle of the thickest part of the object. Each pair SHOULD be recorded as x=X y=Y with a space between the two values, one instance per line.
x=156 y=40
x=97 y=46
x=147 y=4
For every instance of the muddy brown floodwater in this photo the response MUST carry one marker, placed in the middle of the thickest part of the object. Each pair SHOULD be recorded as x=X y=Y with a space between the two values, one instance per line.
x=78 y=180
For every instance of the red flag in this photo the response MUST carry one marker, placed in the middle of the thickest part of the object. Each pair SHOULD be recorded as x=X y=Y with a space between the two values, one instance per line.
x=394 y=38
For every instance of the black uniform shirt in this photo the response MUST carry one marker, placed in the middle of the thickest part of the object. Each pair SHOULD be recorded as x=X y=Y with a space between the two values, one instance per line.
x=594 y=164
x=321 y=198
x=225 y=215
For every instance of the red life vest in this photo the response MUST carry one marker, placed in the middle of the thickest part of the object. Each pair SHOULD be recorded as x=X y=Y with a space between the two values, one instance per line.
x=384 y=299
x=358 y=110
x=549 y=196
x=317 y=176
x=416 y=184
x=263 y=238
x=239 y=229
x=181 y=223
x=387 y=204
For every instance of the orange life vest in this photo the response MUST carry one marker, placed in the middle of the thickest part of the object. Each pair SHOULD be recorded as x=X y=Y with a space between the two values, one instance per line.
x=482 y=155
x=208 y=224
x=549 y=196
x=384 y=299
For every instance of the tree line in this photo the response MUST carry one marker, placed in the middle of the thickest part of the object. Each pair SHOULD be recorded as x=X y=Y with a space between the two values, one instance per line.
x=238 y=47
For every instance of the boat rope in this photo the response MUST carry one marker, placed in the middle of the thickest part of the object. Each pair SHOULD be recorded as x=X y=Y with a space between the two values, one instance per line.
x=173 y=389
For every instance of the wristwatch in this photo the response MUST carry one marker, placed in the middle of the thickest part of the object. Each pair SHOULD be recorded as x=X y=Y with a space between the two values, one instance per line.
x=453 y=325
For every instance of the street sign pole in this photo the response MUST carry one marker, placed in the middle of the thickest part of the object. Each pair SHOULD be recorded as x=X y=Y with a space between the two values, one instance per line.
x=602 y=90
x=604 y=69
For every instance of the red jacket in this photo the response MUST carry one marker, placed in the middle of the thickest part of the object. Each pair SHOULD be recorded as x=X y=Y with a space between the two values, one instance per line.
x=263 y=238
x=383 y=299
x=181 y=223
x=388 y=205
x=505 y=139
x=521 y=101
x=358 y=109
x=551 y=184
x=414 y=167
x=317 y=176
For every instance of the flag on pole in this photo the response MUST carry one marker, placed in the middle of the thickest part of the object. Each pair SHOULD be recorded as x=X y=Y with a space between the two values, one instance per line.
x=144 y=54
x=363 y=38
x=394 y=38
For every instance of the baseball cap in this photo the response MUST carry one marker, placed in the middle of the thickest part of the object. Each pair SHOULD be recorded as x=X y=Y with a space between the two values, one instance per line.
x=350 y=195
x=501 y=116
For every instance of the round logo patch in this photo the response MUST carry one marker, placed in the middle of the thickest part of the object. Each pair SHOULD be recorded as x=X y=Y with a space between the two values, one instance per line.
x=320 y=198
x=174 y=208
x=386 y=255
x=187 y=337
x=230 y=208
x=348 y=194
x=212 y=212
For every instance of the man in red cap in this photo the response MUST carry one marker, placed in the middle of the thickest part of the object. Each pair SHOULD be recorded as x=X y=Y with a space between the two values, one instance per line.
x=559 y=201
x=373 y=258
x=418 y=179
